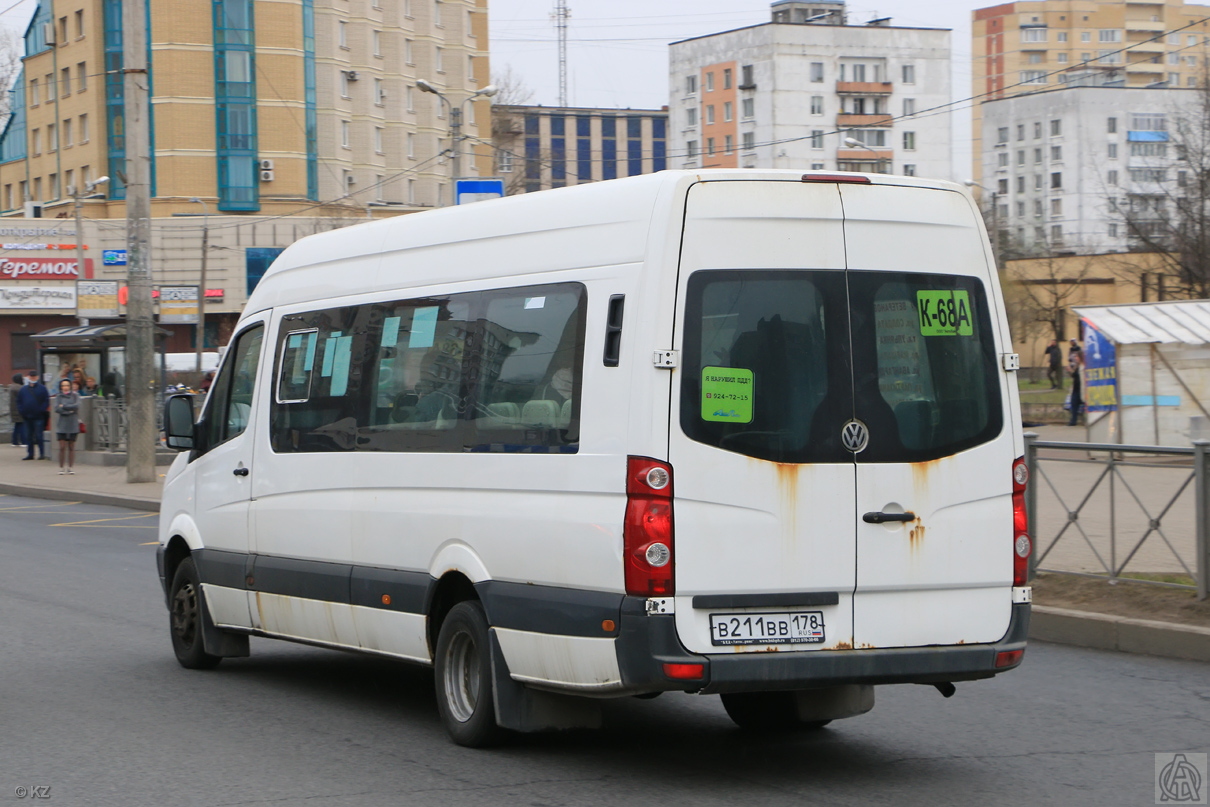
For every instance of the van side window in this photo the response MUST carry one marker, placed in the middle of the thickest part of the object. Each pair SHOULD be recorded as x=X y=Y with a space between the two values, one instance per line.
x=530 y=351
x=230 y=401
x=484 y=371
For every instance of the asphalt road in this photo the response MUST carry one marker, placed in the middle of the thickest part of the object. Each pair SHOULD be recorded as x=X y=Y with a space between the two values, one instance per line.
x=94 y=707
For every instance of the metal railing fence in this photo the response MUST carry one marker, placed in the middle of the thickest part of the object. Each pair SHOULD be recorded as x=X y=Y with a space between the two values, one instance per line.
x=1113 y=458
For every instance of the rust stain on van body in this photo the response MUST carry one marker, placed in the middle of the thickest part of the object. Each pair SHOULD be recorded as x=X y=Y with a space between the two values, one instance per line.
x=916 y=534
x=787 y=484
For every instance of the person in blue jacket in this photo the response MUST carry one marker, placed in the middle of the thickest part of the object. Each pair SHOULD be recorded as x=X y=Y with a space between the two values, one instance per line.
x=33 y=401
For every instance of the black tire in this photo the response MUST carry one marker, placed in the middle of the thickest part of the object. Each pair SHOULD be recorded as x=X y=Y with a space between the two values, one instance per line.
x=185 y=619
x=463 y=677
x=767 y=711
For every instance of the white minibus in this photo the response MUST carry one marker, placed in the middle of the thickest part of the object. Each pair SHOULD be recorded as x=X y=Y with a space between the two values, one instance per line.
x=738 y=432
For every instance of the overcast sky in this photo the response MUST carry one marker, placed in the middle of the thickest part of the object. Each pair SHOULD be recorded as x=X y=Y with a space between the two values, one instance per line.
x=618 y=49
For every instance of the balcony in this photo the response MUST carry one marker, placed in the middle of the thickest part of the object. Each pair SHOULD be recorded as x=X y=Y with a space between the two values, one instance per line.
x=1154 y=26
x=1154 y=46
x=863 y=87
x=864 y=155
x=846 y=121
x=1145 y=67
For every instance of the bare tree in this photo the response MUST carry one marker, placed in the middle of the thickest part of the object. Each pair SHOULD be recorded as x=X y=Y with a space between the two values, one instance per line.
x=1166 y=211
x=508 y=129
x=1039 y=292
x=10 y=67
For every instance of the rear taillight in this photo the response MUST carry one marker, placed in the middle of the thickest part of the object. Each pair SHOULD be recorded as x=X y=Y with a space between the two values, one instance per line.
x=647 y=533
x=1022 y=544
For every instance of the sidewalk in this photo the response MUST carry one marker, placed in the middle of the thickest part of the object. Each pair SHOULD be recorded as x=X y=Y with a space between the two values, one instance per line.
x=94 y=484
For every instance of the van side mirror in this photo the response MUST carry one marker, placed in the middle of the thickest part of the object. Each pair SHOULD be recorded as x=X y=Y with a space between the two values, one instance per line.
x=178 y=422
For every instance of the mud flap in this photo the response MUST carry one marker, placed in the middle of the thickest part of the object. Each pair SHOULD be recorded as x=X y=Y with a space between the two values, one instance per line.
x=220 y=642
x=520 y=708
x=834 y=703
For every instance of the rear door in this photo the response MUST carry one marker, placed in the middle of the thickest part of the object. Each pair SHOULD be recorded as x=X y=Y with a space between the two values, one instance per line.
x=928 y=387
x=764 y=490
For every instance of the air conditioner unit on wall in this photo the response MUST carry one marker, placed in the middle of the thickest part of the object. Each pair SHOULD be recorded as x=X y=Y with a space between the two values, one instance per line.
x=266 y=176
x=266 y=165
x=48 y=32
x=352 y=74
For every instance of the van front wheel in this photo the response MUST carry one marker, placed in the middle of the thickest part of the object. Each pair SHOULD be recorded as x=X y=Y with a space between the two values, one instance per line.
x=464 y=677
x=774 y=711
x=186 y=616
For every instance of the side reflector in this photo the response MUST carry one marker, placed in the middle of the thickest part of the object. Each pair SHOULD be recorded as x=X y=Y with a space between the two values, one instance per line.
x=1007 y=658
x=686 y=672
x=849 y=179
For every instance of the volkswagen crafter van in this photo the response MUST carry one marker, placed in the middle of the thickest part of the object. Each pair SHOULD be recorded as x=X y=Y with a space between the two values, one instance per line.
x=746 y=433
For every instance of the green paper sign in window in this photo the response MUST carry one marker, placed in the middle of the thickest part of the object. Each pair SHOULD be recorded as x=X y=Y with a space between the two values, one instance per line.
x=727 y=394
x=945 y=313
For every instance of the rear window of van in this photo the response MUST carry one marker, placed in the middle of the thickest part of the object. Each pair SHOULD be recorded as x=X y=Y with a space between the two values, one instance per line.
x=776 y=362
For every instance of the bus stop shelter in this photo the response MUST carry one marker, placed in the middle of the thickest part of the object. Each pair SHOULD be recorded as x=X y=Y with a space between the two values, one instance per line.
x=98 y=351
x=1147 y=372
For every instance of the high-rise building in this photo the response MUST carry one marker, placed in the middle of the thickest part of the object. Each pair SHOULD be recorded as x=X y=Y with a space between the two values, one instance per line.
x=1024 y=47
x=257 y=106
x=270 y=119
x=541 y=147
x=1083 y=169
x=807 y=90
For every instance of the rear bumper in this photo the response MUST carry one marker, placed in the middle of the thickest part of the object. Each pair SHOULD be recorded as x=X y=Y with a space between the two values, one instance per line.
x=646 y=643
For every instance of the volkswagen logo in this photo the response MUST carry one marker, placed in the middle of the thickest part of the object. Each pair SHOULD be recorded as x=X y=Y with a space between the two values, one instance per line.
x=855 y=436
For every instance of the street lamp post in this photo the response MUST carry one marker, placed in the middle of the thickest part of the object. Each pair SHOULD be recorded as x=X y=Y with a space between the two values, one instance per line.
x=89 y=187
x=455 y=125
x=852 y=141
x=995 y=239
x=201 y=291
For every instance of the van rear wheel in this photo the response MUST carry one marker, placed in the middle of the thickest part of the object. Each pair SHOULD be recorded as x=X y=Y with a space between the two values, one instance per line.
x=775 y=711
x=185 y=619
x=464 y=677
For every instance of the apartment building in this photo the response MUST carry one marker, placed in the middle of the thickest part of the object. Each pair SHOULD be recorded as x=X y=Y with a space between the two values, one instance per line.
x=541 y=147
x=270 y=119
x=1024 y=47
x=1067 y=166
x=808 y=90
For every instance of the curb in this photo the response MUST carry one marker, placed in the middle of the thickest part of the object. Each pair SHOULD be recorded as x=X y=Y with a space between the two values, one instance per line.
x=88 y=497
x=1103 y=632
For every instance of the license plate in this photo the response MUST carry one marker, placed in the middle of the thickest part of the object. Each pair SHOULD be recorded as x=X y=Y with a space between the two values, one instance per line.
x=799 y=627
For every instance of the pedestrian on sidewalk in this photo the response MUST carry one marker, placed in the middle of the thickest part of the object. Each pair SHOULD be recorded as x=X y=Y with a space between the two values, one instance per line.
x=14 y=412
x=1075 y=365
x=33 y=401
x=1054 y=364
x=67 y=425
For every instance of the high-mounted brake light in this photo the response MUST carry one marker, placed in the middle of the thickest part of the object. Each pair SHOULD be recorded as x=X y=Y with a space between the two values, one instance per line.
x=1022 y=544
x=647 y=532
x=851 y=179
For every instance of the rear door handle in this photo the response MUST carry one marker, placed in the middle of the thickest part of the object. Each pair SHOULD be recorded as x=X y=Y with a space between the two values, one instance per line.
x=882 y=518
x=240 y=471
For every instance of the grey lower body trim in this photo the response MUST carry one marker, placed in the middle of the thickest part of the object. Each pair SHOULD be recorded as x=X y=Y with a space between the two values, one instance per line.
x=405 y=591
x=647 y=642
x=219 y=567
x=550 y=609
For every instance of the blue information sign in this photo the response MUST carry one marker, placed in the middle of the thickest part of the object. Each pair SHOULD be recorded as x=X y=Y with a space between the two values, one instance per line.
x=113 y=257
x=477 y=190
x=1100 y=371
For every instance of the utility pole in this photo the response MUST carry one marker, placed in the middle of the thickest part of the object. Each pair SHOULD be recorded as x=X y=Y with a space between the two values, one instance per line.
x=76 y=197
x=201 y=292
x=140 y=327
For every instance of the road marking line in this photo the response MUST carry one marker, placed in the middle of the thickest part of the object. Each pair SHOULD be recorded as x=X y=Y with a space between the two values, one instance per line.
x=101 y=520
x=151 y=543
x=31 y=506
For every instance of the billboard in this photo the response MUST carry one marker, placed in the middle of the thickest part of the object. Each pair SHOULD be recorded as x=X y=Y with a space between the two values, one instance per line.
x=1100 y=371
